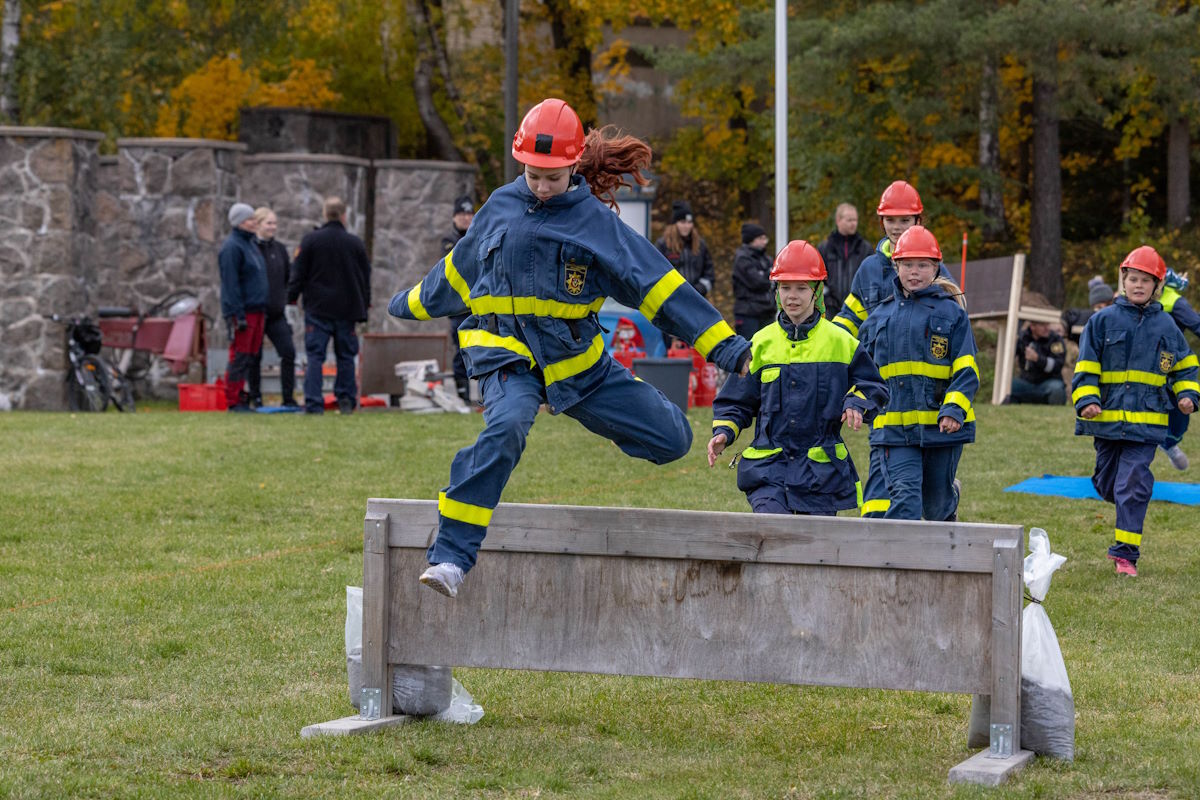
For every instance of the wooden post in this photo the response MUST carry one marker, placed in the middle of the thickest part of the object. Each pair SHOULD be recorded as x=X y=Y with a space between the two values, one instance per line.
x=1006 y=636
x=377 y=596
x=1009 y=330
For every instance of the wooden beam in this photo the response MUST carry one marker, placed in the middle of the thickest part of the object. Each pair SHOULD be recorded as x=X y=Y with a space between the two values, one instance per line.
x=1007 y=581
x=1002 y=384
x=377 y=592
x=713 y=535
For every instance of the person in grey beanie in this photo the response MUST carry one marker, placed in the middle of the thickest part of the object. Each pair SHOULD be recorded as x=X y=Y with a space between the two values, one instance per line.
x=243 y=301
x=1100 y=295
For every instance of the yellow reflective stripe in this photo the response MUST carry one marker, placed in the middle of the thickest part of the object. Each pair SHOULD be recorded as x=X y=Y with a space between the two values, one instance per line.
x=478 y=338
x=874 y=506
x=847 y=325
x=855 y=391
x=1087 y=367
x=414 y=303
x=959 y=399
x=1135 y=417
x=1185 y=386
x=561 y=370
x=1190 y=361
x=659 y=293
x=754 y=452
x=533 y=306
x=724 y=423
x=915 y=368
x=819 y=455
x=856 y=307
x=897 y=418
x=1127 y=537
x=456 y=281
x=463 y=512
x=962 y=362
x=712 y=337
x=1084 y=391
x=858 y=493
x=1133 y=376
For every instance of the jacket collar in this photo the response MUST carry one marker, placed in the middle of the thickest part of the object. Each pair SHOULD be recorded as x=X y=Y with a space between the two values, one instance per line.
x=247 y=235
x=577 y=191
x=797 y=332
x=932 y=291
x=1124 y=302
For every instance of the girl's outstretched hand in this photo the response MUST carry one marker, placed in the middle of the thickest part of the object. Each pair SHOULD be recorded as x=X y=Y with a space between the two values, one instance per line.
x=716 y=445
x=853 y=418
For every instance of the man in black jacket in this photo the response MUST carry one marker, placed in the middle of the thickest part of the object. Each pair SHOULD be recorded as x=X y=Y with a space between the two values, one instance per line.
x=331 y=271
x=1041 y=353
x=842 y=252
x=753 y=300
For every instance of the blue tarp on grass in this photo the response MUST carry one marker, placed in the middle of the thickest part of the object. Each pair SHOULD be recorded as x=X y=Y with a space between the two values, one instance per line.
x=1187 y=494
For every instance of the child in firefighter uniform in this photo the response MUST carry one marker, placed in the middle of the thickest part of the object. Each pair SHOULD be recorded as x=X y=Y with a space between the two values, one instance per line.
x=807 y=378
x=533 y=268
x=899 y=209
x=922 y=341
x=1133 y=367
x=1186 y=319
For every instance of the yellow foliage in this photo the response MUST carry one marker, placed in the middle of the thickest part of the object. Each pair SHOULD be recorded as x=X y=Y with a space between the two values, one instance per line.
x=205 y=104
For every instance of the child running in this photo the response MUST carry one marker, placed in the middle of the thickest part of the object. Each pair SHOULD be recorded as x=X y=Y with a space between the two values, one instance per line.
x=1134 y=367
x=922 y=341
x=533 y=268
x=807 y=377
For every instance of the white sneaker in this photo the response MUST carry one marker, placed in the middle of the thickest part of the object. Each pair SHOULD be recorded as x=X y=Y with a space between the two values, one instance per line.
x=444 y=578
x=1179 y=459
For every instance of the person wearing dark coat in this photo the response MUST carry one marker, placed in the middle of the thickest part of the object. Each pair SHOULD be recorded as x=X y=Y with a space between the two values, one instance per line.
x=1041 y=353
x=276 y=327
x=334 y=276
x=243 y=301
x=842 y=251
x=753 y=299
x=684 y=247
x=464 y=212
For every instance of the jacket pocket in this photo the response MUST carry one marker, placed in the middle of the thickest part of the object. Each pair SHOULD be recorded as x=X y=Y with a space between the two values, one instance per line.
x=1113 y=359
x=576 y=271
x=758 y=467
x=827 y=470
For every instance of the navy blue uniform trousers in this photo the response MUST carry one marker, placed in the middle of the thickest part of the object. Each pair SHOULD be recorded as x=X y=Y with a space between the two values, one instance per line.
x=634 y=415
x=920 y=481
x=1123 y=477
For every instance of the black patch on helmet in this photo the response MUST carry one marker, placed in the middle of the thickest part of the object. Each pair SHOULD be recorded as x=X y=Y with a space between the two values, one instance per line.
x=543 y=143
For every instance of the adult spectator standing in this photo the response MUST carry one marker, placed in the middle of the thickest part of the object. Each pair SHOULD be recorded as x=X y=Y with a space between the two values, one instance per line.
x=684 y=247
x=275 y=326
x=464 y=212
x=1041 y=353
x=842 y=252
x=753 y=300
x=332 y=273
x=243 y=301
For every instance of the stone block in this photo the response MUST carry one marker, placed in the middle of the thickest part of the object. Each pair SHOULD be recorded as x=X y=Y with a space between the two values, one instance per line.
x=53 y=161
x=61 y=207
x=204 y=220
x=14 y=310
x=52 y=254
x=194 y=174
x=45 y=392
x=173 y=224
x=24 y=333
x=131 y=258
x=156 y=169
x=107 y=210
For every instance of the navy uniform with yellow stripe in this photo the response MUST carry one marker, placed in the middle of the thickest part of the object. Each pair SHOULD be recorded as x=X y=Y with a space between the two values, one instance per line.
x=870 y=286
x=534 y=274
x=1135 y=364
x=802 y=378
x=925 y=350
x=1186 y=319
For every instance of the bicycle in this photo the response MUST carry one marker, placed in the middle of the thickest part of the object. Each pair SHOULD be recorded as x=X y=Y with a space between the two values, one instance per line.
x=92 y=382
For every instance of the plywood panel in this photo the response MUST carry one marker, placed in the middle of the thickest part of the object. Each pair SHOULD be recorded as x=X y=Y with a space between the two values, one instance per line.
x=836 y=626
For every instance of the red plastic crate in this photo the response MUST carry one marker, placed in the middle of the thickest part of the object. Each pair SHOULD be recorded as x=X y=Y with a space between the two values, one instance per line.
x=202 y=397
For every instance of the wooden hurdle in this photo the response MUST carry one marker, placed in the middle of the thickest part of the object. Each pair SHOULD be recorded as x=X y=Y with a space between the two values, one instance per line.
x=832 y=601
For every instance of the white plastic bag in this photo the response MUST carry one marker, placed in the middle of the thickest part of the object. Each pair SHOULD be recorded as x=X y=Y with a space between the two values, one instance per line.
x=416 y=690
x=1047 y=705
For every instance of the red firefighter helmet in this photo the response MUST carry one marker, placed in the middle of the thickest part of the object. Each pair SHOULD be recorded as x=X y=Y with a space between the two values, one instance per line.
x=1146 y=259
x=917 y=242
x=900 y=200
x=550 y=136
x=798 y=261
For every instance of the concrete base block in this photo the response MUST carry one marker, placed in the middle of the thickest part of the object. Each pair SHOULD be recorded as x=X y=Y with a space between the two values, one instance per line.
x=986 y=771
x=349 y=726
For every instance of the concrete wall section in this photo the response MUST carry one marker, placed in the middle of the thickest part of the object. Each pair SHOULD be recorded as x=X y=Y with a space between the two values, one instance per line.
x=414 y=201
x=295 y=185
x=47 y=255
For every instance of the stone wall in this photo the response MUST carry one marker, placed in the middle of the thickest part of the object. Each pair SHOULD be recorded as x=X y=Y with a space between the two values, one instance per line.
x=47 y=255
x=414 y=201
x=79 y=231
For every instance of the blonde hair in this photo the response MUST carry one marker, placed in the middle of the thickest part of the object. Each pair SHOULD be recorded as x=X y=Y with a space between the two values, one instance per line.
x=1159 y=286
x=334 y=209
x=951 y=288
x=261 y=213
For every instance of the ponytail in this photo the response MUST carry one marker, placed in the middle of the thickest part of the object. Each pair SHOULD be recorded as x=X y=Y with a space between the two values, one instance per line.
x=951 y=288
x=608 y=156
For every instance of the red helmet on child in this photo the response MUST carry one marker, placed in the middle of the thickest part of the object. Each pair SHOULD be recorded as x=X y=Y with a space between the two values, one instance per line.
x=900 y=200
x=550 y=136
x=1146 y=259
x=917 y=242
x=798 y=261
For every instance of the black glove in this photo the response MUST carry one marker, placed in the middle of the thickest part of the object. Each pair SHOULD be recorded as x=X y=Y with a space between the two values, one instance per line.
x=241 y=324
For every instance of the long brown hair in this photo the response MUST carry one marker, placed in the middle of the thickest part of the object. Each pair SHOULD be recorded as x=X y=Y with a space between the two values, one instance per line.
x=608 y=156
x=675 y=243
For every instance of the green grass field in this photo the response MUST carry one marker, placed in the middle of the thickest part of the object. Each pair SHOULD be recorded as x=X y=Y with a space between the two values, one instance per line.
x=172 y=604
